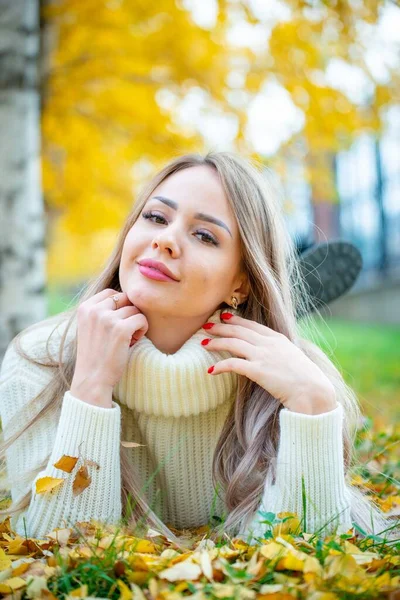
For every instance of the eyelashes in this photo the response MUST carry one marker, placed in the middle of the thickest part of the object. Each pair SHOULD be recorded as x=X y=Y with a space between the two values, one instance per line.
x=210 y=239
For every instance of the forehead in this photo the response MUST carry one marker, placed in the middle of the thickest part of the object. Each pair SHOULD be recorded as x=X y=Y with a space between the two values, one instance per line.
x=197 y=188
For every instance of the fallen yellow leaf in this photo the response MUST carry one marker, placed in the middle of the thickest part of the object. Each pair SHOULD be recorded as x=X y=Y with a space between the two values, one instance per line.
x=5 y=561
x=126 y=593
x=60 y=535
x=66 y=463
x=140 y=545
x=81 y=481
x=20 y=569
x=186 y=570
x=12 y=584
x=47 y=484
x=80 y=592
x=344 y=565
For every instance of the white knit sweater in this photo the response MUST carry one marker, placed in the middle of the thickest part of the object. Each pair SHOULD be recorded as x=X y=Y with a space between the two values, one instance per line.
x=176 y=409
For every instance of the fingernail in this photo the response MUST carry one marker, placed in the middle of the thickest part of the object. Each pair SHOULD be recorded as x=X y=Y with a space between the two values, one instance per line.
x=205 y=342
x=208 y=325
x=211 y=369
x=227 y=316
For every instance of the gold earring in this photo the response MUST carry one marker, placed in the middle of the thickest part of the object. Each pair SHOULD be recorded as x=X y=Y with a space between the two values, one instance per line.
x=234 y=302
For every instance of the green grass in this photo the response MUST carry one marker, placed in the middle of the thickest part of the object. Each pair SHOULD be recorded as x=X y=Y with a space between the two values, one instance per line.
x=368 y=357
x=366 y=354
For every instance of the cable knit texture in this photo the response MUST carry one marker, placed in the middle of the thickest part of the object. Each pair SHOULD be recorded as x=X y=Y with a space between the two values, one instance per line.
x=171 y=405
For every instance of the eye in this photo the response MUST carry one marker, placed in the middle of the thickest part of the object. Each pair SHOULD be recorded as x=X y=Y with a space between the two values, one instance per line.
x=207 y=238
x=210 y=239
x=150 y=215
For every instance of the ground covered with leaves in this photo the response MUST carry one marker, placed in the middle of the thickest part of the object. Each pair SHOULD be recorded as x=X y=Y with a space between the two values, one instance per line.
x=91 y=560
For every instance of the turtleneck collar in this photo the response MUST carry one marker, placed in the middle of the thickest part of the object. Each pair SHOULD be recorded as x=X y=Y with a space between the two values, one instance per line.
x=175 y=385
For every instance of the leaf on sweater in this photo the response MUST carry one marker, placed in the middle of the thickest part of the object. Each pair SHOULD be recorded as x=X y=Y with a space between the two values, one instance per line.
x=47 y=484
x=66 y=463
x=81 y=481
x=91 y=463
x=299 y=564
x=131 y=444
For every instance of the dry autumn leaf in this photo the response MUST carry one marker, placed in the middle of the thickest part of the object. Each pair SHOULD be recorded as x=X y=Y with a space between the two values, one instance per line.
x=185 y=570
x=47 y=484
x=284 y=566
x=81 y=481
x=80 y=592
x=91 y=463
x=8 y=586
x=60 y=535
x=126 y=593
x=66 y=463
x=5 y=561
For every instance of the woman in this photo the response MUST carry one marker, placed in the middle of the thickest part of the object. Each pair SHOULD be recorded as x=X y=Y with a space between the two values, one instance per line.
x=251 y=420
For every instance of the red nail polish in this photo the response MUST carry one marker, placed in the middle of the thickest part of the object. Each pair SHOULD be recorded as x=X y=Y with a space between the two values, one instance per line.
x=227 y=316
x=205 y=342
x=211 y=369
x=208 y=325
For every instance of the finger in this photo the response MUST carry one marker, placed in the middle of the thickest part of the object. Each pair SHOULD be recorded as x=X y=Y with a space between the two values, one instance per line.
x=121 y=298
x=232 y=345
x=249 y=324
x=125 y=312
x=236 y=365
x=107 y=293
x=133 y=326
x=238 y=331
x=140 y=325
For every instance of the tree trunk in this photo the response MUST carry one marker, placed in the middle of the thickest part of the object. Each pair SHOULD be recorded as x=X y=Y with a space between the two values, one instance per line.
x=22 y=223
x=324 y=197
x=326 y=220
x=379 y=197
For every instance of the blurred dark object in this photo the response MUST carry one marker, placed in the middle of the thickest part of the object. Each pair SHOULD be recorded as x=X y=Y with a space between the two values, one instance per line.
x=329 y=269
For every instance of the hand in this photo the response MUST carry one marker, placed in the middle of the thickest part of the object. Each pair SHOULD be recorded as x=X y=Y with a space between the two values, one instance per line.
x=272 y=361
x=104 y=337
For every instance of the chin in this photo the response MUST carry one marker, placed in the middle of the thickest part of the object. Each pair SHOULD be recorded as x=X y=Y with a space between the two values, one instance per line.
x=142 y=299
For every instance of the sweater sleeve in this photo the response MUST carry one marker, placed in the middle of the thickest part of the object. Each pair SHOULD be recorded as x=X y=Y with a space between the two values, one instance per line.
x=99 y=430
x=310 y=446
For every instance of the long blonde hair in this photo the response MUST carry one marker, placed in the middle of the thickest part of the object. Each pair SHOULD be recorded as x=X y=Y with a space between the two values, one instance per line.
x=247 y=446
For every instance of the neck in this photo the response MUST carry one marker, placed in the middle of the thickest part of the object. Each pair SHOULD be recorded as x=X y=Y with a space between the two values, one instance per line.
x=178 y=384
x=169 y=333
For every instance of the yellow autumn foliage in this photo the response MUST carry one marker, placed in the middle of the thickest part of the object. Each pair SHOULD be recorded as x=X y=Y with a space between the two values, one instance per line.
x=113 y=85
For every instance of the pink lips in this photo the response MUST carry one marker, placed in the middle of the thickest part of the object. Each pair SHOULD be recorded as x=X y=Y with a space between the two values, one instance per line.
x=154 y=274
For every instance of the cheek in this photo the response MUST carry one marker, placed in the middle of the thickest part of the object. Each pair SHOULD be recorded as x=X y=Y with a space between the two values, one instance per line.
x=209 y=273
x=131 y=244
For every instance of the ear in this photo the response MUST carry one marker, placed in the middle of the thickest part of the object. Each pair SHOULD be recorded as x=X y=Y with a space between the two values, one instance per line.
x=242 y=288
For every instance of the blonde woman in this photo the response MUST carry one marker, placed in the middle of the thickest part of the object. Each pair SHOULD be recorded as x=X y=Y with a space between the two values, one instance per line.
x=197 y=357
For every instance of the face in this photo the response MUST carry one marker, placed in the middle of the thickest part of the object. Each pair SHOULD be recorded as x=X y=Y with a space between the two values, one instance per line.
x=201 y=251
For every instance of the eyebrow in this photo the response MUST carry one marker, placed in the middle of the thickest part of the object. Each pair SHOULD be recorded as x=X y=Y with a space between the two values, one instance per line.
x=199 y=215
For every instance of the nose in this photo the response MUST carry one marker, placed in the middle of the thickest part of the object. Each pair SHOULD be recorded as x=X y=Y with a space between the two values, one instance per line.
x=165 y=240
